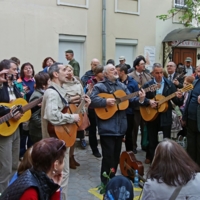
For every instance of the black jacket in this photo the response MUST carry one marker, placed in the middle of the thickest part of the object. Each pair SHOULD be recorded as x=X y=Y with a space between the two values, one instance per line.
x=4 y=98
x=169 y=88
x=180 y=80
x=31 y=178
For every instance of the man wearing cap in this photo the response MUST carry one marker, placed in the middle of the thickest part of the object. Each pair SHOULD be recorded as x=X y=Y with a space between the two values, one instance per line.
x=122 y=61
x=69 y=54
x=188 y=68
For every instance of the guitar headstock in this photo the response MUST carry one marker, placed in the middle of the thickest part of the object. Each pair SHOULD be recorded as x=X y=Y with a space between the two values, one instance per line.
x=154 y=87
x=187 y=88
x=15 y=110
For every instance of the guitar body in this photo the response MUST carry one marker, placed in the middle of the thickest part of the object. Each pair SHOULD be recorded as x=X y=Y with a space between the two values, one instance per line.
x=128 y=164
x=108 y=111
x=6 y=130
x=66 y=132
x=164 y=106
x=150 y=114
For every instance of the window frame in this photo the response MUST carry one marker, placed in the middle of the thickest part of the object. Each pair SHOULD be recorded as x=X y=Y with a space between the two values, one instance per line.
x=180 y=5
x=86 y=6
x=127 y=12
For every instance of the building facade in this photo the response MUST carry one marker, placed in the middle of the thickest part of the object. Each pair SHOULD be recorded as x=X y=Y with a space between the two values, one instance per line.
x=35 y=29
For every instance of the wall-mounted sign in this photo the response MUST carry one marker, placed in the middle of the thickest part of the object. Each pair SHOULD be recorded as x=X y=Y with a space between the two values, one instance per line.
x=149 y=54
x=186 y=44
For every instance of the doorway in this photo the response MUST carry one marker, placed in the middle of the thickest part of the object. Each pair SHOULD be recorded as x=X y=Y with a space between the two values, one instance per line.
x=76 y=43
x=180 y=54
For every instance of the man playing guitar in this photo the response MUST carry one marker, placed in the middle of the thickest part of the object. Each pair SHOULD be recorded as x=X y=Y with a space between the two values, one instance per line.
x=163 y=121
x=112 y=130
x=52 y=105
x=9 y=145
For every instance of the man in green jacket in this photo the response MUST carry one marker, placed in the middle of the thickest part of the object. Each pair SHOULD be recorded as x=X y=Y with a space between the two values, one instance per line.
x=69 y=54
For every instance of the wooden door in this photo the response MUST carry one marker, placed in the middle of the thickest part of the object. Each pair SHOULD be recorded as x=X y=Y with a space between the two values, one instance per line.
x=180 y=54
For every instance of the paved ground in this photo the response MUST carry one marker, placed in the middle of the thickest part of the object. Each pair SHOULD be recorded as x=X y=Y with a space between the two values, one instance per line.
x=87 y=176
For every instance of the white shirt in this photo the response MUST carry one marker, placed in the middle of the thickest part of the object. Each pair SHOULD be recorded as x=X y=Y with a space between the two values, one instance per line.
x=172 y=76
x=189 y=71
x=138 y=73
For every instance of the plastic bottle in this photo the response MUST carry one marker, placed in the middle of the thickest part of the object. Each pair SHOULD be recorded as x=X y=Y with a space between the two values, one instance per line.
x=110 y=195
x=136 y=179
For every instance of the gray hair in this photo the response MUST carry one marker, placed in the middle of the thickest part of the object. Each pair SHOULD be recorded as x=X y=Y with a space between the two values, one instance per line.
x=105 y=68
x=158 y=65
x=54 y=68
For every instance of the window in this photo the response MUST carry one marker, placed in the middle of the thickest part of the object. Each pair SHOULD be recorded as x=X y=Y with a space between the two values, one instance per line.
x=179 y=3
x=127 y=7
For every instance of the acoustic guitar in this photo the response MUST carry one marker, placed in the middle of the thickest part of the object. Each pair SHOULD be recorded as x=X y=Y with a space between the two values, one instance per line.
x=67 y=132
x=121 y=101
x=149 y=114
x=7 y=124
x=128 y=165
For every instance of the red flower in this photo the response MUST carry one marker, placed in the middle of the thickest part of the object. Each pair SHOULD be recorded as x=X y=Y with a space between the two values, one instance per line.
x=112 y=170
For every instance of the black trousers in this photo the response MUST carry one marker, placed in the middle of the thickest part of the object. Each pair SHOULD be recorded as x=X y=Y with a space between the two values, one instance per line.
x=111 y=149
x=193 y=141
x=138 y=121
x=92 y=130
x=153 y=128
x=129 y=133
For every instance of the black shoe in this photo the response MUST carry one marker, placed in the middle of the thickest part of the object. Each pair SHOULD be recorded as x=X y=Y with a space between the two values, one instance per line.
x=144 y=148
x=97 y=154
x=83 y=143
x=134 y=151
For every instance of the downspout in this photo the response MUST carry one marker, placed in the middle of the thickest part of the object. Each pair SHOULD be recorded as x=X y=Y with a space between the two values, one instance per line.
x=103 y=32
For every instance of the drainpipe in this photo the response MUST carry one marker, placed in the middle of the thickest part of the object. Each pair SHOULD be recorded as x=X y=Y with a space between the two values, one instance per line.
x=103 y=32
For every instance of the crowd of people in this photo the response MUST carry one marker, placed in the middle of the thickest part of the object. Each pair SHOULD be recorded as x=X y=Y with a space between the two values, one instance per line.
x=47 y=160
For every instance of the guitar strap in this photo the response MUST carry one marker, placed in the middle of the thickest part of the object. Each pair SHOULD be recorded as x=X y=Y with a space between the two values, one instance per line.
x=175 y=193
x=63 y=100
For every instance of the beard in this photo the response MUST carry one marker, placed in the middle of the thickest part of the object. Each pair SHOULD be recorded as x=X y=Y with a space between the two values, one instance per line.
x=116 y=76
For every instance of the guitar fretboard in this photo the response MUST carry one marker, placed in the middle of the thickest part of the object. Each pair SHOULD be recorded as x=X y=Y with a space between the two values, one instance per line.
x=81 y=105
x=5 y=118
x=185 y=89
x=129 y=96
x=30 y=105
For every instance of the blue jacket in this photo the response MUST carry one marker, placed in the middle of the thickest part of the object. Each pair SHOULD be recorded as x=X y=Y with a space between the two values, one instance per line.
x=132 y=86
x=86 y=77
x=117 y=124
x=169 y=88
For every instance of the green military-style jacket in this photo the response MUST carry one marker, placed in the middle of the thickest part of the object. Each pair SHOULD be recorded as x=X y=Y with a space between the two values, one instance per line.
x=76 y=67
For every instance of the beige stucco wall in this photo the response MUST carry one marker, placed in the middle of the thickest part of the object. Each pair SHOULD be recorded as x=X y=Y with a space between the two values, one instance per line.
x=30 y=28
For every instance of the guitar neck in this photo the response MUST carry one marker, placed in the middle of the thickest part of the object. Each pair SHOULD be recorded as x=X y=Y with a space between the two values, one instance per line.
x=32 y=104
x=5 y=118
x=82 y=104
x=129 y=96
x=167 y=98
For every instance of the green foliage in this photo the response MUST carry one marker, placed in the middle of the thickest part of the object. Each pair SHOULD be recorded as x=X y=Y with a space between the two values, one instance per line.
x=189 y=14
x=102 y=187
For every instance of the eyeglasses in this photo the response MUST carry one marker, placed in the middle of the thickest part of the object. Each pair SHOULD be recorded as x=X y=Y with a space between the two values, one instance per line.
x=63 y=144
x=169 y=65
x=142 y=64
